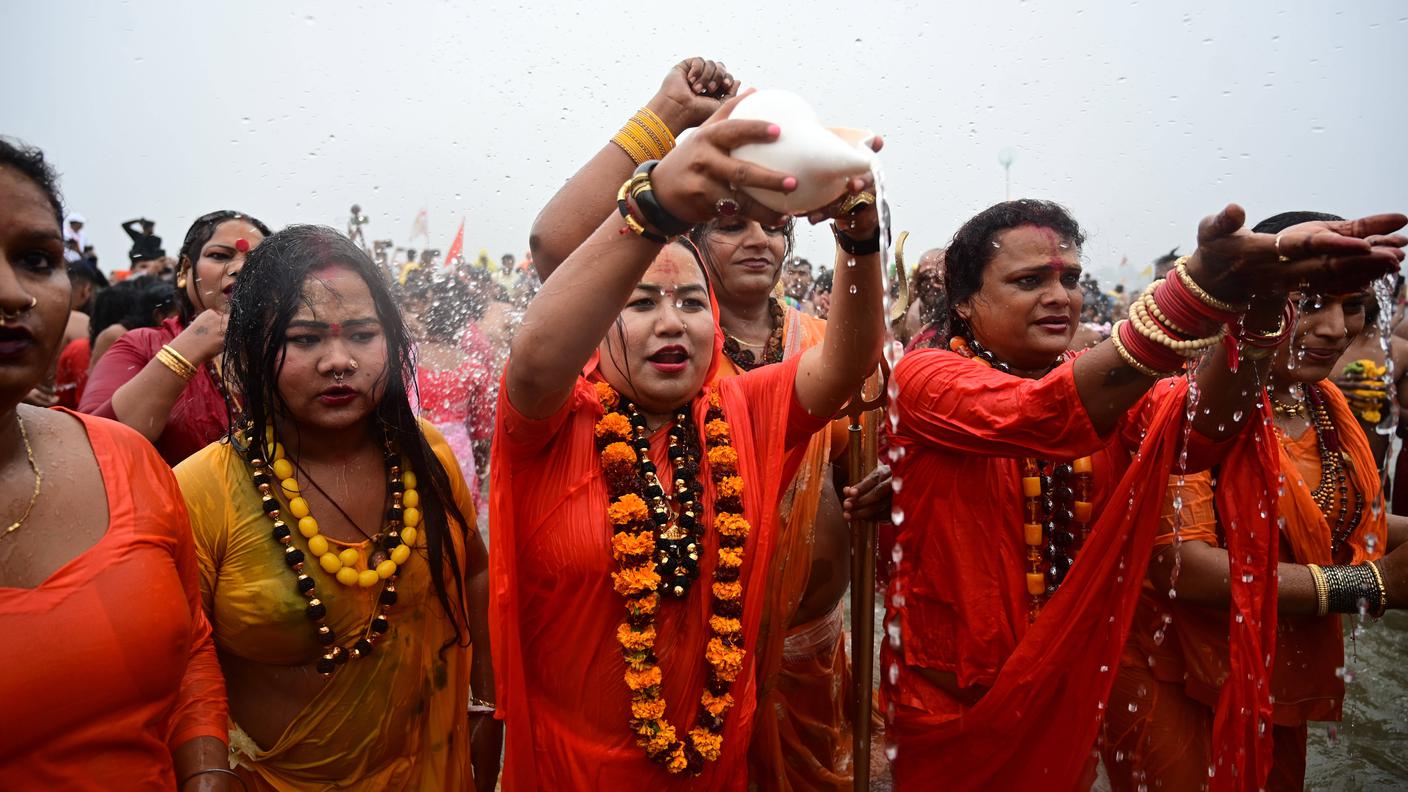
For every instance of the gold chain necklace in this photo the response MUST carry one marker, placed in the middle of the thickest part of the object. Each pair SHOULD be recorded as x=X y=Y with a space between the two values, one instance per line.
x=38 y=479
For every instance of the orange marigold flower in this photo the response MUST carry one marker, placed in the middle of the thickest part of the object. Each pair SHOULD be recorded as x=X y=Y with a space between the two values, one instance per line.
x=641 y=680
x=723 y=458
x=715 y=400
x=648 y=709
x=731 y=524
x=636 y=641
x=657 y=736
x=641 y=606
x=729 y=592
x=677 y=762
x=730 y=557
x=614 y=425
x=723 y=625
x=631 y=544
x=716 y=431
x=730 y=487
x=627 y=509
x=727 y=661
x=607 y=396
x=638 y=661
x=708 y=744
x=618 y=454
x=634 y=580
x=716 y=705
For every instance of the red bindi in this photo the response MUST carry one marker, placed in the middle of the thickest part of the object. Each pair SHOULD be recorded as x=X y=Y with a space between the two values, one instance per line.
x=242 y=245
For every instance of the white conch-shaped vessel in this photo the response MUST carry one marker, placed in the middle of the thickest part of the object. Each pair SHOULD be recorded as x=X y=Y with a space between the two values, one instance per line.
x=823 y=159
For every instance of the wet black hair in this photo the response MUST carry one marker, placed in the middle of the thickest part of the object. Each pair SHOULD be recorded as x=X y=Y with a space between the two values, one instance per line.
x=269 y=296
x=29 y=162
x=1275 y=224
x=133 y=303
x=973 y=245
x=450 y=310
x=822 y=282
x=197 y=235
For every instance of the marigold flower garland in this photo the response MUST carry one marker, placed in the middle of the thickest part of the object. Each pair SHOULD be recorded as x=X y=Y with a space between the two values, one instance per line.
x=638 y=582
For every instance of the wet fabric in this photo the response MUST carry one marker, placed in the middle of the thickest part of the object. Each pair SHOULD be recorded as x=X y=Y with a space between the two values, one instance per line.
x=554 y=615
x=110 y=666
x=71 y=373
x=802 y=737
x=198 y=417
x=395 y=719
x=1186 y=646
x=958 y=600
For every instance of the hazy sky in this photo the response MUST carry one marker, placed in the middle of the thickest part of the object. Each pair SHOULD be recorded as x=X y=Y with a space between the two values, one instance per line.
x=1139 y=116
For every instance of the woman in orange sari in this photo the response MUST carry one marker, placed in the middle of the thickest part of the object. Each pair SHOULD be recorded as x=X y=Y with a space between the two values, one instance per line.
x=1014 y=460
x=111 y=680
x=626 y=654
x=1160 y=724
x=802 y=740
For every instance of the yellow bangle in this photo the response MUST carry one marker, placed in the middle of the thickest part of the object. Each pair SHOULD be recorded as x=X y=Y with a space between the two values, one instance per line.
x=177 y=363
x=1181 y=267
x=645 y=137
x=1383 y=592
x=1322 y=590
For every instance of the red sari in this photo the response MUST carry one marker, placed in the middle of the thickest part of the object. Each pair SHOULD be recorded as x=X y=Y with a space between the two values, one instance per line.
x=110 y=664
x=958 y=601
x=554 y=614
x=197 y=419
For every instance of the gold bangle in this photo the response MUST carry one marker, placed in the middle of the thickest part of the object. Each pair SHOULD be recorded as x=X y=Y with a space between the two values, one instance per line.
x=1181 y=267
x=185 y=362
x=177 y=364
x=1383 y=591
x=1129 y=359
x=645 y=137
x=1322 y=590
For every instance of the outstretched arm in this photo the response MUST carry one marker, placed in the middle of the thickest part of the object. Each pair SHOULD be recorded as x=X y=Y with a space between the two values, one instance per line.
x=1234 y=265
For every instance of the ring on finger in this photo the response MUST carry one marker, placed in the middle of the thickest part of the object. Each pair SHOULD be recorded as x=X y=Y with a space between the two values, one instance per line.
x=726 y=207
x=1281 y=257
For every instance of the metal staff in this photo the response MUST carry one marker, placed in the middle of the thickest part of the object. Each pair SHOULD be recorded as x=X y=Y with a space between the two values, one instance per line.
x=862 y=456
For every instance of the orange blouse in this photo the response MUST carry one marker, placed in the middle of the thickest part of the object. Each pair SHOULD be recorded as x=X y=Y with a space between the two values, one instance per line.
x=554 y=614
x=110 y=665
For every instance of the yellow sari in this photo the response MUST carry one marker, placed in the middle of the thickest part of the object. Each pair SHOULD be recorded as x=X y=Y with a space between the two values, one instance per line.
x=395 y=719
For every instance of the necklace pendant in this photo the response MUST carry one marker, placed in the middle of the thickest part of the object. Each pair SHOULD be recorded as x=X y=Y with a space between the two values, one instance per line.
x=677 y=562
x=377 y=557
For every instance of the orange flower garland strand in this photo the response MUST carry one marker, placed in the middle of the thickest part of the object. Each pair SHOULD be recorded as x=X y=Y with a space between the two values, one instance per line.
x=637 y=581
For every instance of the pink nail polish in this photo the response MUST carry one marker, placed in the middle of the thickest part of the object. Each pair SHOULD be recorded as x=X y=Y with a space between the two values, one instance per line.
x=774 y=130
x=789 y=184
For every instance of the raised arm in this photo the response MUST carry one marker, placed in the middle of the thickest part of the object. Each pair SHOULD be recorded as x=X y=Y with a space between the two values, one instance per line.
x=830 y=373
x=574 y=309
x=689 y=94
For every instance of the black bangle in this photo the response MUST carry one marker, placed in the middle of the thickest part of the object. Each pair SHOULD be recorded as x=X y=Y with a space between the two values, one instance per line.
x=1350 y=585
x=655 y=214
x=643 y=232
x=857 y=247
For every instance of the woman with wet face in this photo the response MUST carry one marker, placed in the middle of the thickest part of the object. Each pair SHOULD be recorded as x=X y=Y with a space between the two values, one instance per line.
x=111 y=677
x=1338 y=554
x=339 y=561
x=1026 y=475
x=166 y=381
x=632 y=507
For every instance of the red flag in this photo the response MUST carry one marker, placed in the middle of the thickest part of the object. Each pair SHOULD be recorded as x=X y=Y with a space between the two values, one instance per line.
x=455 y=247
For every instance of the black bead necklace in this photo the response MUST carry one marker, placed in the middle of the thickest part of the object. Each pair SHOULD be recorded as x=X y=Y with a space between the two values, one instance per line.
x=677 y=531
